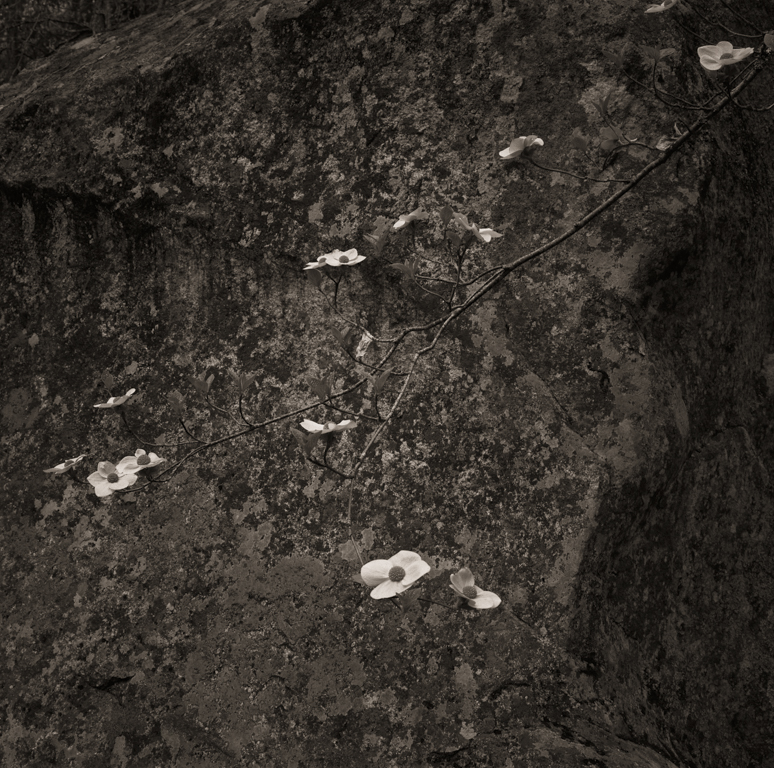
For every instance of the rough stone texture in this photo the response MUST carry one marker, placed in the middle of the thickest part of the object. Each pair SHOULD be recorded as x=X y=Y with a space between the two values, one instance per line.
x=593 y=439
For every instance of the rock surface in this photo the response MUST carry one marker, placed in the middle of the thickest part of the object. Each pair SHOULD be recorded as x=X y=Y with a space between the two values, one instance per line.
x=592 y=439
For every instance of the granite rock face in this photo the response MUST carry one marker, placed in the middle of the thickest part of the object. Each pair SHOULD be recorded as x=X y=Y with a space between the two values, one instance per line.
x=592 y=439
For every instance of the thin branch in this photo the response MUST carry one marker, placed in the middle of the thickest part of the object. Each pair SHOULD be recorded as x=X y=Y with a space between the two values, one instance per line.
x=325 y=465
x=192 y=435
x=575 y=175
x=242 y=413
x=212 y=405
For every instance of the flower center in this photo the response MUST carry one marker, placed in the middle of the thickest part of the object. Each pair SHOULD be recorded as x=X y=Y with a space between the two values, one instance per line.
x=397 y=573
x=112 y=477
x=143 y=460
x=343 y=259
x=469 y=592
x=727 y=56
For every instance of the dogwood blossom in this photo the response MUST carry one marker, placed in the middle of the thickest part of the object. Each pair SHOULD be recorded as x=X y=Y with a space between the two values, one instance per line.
x=714 y=57
x=393 y=576
x=65 y=465
x=665 y=6
x=524 y=144
x=337 y=258
x=483 y=235
x=463 y=584
x=331 y=426
x=140 y=460
x=114 y=402
x=108 y=478
x=418 y=215
x=486 y=235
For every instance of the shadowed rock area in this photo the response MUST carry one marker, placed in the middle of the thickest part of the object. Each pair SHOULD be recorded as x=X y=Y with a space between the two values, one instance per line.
x=592 y=439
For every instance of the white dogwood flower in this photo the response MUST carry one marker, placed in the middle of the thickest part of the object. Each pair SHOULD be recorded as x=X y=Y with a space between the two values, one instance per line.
x=331 y=426
x=337 y=258
x=114 y=402
x=108 y=478
x=417 y=215
x=65 y=465
x=665 y=6
x=140 y=460
x=393 y=576
x=464 y=585
x=522 y=145
x=714 y=57
x=483 y=235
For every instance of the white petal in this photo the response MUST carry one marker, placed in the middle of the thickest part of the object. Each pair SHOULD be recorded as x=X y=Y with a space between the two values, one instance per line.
x=124 y=481
x=404 y=559
x=415 y=571
x=103 y=489
x=312 y=426
x=388 y=589
x=709 y=63
x=375 y=572
x=463 y=578
x=709 y=50
x=488 y=234
x=485 y=600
